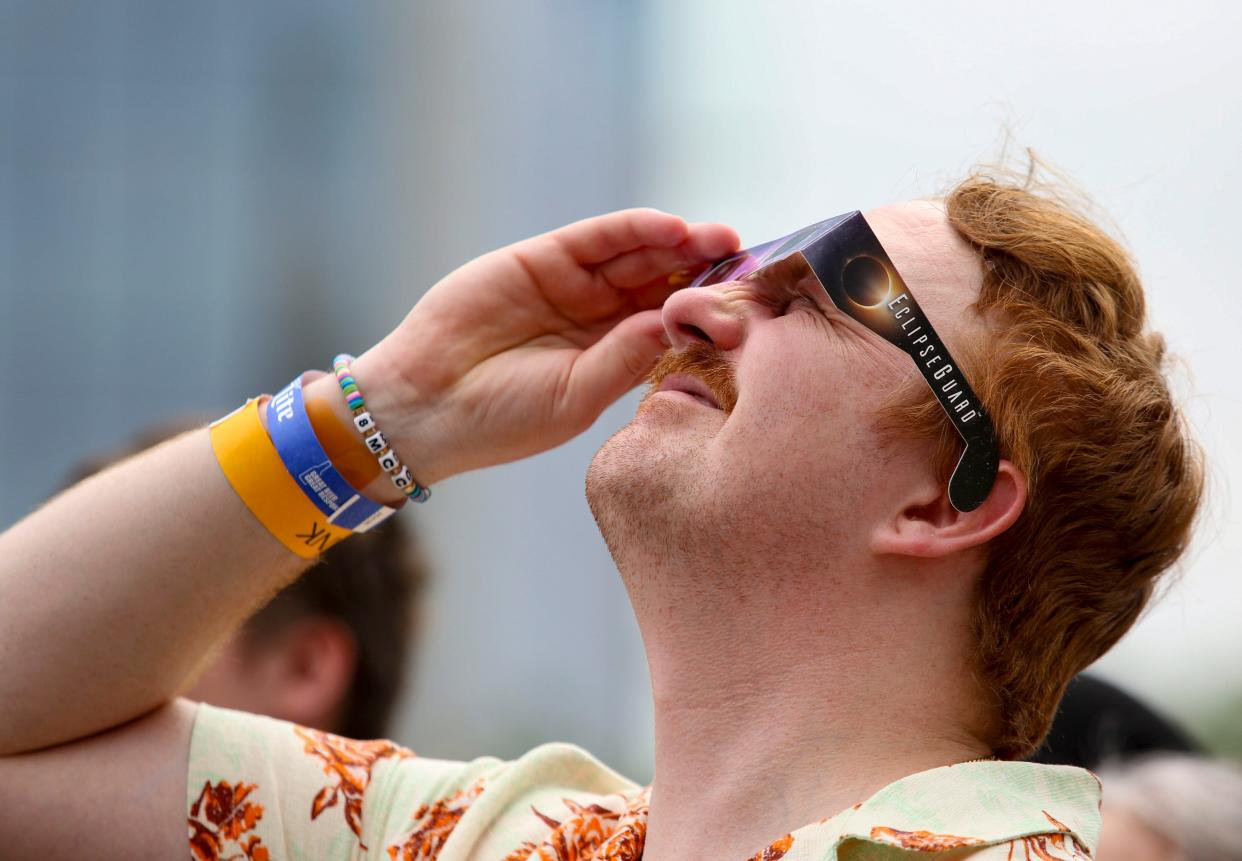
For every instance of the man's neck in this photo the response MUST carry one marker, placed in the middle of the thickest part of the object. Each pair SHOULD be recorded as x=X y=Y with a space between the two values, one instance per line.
x=773 y=713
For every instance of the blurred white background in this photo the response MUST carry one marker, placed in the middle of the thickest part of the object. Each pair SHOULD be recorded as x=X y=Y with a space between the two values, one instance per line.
x=198 y=200
x=776 y=115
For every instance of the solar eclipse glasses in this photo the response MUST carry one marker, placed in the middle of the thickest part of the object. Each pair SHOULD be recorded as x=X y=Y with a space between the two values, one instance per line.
x=862 y=282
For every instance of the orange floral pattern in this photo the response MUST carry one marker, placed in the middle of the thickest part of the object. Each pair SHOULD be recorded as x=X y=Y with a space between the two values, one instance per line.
x=593 y=832
x=776 y=850
x=350 y=763
x=433 y=823
x=415 y=808
x=1049 y=847
x=626 y=843
x=924 y=841
x=220 y=818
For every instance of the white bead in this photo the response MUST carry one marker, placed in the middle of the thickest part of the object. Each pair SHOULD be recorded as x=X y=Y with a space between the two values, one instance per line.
x=403 y=479
x=363 y=421
x=388 y=461
x=376 y=442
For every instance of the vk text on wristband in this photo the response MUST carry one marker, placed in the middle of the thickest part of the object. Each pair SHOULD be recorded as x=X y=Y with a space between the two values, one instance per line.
x=257 y=474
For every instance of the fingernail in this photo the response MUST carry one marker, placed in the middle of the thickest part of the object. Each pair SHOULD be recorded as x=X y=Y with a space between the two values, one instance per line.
x=680 y=278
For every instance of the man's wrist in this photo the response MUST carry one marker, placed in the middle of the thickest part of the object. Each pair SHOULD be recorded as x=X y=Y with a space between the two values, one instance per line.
x=404 y=413
x=332 y=420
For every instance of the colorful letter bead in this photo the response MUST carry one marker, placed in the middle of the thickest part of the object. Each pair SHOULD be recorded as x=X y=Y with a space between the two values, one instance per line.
x=376 y=443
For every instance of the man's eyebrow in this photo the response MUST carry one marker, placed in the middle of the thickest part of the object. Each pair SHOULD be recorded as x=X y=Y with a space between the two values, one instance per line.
x=768 y=275
x=766 y=279
x=801 y=281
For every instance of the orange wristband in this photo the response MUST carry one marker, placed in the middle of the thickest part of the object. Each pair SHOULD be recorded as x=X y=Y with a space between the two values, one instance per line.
x=257 y=474
x=348 y=453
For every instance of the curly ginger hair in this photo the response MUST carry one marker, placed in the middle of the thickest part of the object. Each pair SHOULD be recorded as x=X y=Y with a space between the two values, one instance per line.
x=1075 y=384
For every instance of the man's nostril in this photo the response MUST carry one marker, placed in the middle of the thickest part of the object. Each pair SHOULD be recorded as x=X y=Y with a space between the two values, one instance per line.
x=694 y=332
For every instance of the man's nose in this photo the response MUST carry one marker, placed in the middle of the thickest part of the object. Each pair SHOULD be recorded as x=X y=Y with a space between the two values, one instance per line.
x=705 y=315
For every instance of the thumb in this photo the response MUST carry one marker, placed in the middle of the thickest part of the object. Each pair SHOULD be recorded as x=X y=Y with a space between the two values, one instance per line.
x=617 y=362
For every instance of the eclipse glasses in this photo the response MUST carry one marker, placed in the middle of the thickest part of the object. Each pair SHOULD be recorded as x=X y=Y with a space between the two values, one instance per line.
x=856 y=273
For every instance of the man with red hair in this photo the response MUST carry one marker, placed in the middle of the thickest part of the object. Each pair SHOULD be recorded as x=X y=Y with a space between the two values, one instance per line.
x=853 y=623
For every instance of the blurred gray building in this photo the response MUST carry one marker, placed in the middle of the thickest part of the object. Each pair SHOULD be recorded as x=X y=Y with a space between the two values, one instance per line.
x=198 y=200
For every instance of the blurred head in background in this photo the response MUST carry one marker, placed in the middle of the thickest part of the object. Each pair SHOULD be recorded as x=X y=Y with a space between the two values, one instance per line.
x=1171 y=807
x=330 y=650
x=1097 y=723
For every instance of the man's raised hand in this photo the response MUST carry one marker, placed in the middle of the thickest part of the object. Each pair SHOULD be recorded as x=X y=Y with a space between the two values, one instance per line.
x=522 y=348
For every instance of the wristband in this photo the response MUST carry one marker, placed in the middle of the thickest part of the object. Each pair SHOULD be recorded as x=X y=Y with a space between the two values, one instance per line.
x=304 y=457
x=258 y=475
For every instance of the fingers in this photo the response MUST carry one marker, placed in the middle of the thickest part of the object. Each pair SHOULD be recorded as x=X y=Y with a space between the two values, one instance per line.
x=655 y=294
x=615 y=364
x=705 y=243
x=594 y=240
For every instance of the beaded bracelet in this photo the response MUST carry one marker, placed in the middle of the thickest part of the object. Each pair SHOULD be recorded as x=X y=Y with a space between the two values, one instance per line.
x=371 y=435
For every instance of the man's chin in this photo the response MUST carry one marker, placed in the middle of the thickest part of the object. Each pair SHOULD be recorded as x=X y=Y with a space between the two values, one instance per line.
x=626 y=477
x=620 y=490
x=649 y=489
x=618 y=456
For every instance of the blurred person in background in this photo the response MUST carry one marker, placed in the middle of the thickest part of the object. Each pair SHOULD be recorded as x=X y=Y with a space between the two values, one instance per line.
x=845 y=663
x=1168 y=807
x=1097 y=722
x=330 y=650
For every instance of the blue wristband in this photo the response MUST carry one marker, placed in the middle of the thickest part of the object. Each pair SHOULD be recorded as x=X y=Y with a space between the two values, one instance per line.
x=294 y=438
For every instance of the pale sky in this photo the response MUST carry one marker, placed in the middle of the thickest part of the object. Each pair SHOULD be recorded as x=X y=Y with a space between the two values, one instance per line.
x=773 y=115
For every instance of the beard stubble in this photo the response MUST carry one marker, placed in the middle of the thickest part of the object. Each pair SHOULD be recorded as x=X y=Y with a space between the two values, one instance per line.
x=635 y=498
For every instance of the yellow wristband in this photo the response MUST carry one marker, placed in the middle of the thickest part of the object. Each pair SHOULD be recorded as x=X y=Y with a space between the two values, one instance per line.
x=253 y=467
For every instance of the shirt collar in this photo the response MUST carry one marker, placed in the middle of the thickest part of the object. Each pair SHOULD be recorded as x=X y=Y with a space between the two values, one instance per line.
x=979 y=804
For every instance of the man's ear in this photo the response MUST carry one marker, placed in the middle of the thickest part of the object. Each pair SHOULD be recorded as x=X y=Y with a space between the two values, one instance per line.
x=929 y=527
x=310 y=670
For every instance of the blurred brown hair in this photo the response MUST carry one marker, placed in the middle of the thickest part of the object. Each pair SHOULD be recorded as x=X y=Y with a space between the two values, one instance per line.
x=1074 y=382
x=373 y=583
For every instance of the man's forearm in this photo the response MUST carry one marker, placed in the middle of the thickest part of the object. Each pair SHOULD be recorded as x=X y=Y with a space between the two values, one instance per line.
x=113 y=593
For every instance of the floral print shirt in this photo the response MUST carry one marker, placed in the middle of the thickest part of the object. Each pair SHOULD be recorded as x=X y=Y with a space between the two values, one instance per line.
x=260 y=789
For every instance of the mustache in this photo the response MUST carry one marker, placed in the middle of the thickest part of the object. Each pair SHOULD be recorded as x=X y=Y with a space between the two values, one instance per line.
x=704 y=362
